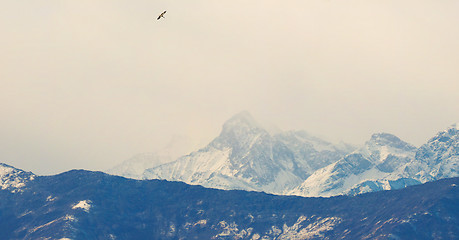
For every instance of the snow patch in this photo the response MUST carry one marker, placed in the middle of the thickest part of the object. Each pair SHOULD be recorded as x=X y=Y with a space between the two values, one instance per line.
x=69 y=218
x=85 y=205
x=312 y=230
x=201 y=223
x=25 y=213
x=256 y=236
x=231 y=230
x=64 y=218
x=50 y=198
x=384 y=152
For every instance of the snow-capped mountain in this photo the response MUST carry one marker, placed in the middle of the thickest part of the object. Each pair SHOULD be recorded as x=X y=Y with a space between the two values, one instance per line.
x=248 y=157
x=437 y=159
x=13 y=179
x=382 y=155
x=387 y=163
x=245 y=156
x=134 y=167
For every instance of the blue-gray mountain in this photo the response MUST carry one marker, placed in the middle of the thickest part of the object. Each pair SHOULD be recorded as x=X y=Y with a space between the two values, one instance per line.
x=93 y=205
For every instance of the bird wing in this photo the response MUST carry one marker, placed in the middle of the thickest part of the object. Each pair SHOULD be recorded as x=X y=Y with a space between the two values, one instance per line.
x=161 y=15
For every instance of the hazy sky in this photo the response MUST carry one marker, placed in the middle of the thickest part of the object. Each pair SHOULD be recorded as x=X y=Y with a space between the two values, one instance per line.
x=87 y=84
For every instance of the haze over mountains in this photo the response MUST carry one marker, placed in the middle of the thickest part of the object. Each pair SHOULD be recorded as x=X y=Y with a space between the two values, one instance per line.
x=135 y=166
x=92 y=205
x=248 y=157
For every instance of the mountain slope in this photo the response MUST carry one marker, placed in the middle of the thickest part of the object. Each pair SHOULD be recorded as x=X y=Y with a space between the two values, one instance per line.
x=387 y=163
x=93 y=205
x=245 y=156
x=13 y=179
x=382 y=155
x=135 y=166
x=438 y=158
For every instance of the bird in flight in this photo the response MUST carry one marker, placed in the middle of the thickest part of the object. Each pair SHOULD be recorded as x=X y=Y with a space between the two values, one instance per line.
x=161 y=15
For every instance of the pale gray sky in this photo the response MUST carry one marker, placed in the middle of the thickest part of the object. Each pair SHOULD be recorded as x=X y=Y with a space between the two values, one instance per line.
x=87 y=84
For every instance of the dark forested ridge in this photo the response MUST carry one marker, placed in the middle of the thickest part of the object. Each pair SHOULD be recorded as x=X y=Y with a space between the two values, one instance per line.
x=92 y=205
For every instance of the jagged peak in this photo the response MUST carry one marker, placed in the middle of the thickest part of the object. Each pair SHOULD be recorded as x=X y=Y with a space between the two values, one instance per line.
x=454 y=126
x=383 y=139
x=450 y=133
x=242 y=119
x=384 y=136
x=450 y=129
x=238 y=131
x=5 y=167
x=387 y=139
x=12 y=178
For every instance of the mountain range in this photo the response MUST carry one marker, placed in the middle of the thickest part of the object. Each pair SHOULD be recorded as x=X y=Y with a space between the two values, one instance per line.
x=93 y=205
x=246 y=156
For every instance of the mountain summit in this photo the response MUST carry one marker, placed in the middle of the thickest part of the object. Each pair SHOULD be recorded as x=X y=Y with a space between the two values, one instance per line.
x=381 y=155
x=13 y=179
x=385 y=163
x=246 y=156
x=438 y=158
x=242 y=120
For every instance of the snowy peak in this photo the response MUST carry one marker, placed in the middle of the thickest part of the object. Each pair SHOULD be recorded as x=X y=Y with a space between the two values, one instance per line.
x=380 y=156
x=241 y=124
x=246 y=156
x=449 y=135
x=387 y=152
x=438 y=158
x=389 y=140
x=455 y=126
x=13 y=179
x=241 y=132
x=444 y=144
x=401 y=165
x=382 y=146
x=241 y=120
